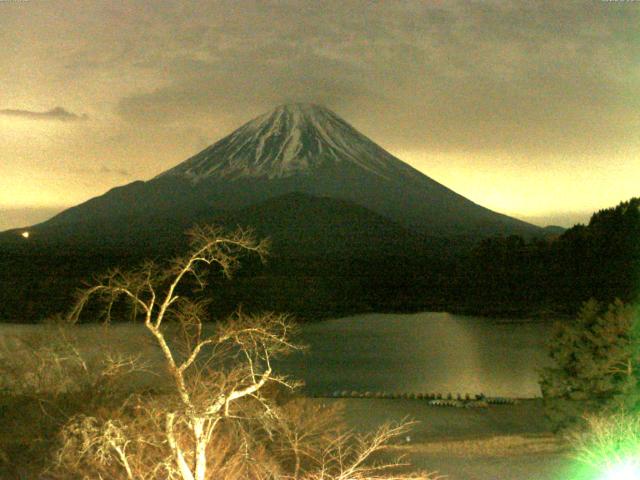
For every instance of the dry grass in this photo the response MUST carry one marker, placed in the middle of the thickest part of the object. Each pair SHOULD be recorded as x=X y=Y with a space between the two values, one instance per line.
x=496 y=446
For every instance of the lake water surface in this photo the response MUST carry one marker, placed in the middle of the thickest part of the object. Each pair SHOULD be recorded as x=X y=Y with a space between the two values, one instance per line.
x=404 y=353
x=424 y=353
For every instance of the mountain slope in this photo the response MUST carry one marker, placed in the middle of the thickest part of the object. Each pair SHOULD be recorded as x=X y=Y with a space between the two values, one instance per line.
x=295 y=148
x=296 y=224
x=291 y=140
x=338 y=227
x=308 y=148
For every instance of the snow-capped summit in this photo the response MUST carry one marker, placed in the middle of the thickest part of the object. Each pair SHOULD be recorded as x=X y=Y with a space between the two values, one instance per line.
x=294 y=149
x=296 y=138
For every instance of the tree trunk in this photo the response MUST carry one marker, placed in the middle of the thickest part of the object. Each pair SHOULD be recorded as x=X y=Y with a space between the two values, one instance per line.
x=183 y=468
x=201 y=448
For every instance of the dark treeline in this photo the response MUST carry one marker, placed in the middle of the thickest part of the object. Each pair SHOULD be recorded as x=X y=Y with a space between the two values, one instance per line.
x=36 y=287
x=505 y=276
x=600 y=260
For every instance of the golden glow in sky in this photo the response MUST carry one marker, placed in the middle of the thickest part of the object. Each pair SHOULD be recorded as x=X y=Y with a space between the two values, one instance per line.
x=527 y=108
x=563 y=194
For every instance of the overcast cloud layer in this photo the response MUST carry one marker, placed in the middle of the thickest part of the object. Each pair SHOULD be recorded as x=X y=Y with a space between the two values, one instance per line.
x=530 y=108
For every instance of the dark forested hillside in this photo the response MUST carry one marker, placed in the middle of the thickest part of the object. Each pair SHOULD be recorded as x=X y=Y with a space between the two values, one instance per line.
x=374 y=265
x=600 y=260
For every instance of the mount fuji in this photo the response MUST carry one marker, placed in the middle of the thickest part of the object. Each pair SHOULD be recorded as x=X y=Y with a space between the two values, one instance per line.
x=297 y=148
x=292 y=140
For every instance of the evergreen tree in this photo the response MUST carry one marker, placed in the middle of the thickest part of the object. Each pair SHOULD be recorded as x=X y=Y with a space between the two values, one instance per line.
x=595 y=364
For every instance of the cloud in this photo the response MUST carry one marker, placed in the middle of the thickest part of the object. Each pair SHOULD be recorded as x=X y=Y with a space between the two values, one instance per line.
x=103 y=170
x=57 y=113
x=519 y=78
x=120 y=172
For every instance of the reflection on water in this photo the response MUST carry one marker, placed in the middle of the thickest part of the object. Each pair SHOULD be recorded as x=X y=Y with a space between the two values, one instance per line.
x=419 y=353
x=423 y=353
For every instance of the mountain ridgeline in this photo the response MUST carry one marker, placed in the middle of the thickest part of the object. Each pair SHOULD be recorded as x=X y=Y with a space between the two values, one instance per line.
x=296 y=148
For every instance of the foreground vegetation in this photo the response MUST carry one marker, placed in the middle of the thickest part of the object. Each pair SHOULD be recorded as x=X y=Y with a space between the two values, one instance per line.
x=596 y=362
x=217 y=409
x=592 y=390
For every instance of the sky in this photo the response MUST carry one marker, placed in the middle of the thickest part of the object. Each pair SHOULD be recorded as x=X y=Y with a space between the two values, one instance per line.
x=529 y=108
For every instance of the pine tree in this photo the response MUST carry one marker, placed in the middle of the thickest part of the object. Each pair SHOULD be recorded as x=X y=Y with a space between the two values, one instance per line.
x=595 y=365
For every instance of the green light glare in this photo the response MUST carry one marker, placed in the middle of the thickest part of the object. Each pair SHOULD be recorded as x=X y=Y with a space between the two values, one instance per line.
x=625 y=470
x=609 y=448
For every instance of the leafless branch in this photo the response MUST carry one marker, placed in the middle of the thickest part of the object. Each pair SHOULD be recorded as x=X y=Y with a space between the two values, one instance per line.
x=219 y=396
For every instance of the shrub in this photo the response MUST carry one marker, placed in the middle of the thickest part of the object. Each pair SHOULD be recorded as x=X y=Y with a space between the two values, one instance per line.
x=595 y=365
x=44 y=381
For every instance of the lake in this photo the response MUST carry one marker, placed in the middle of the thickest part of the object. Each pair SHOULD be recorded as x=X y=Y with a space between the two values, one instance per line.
x=426 y=352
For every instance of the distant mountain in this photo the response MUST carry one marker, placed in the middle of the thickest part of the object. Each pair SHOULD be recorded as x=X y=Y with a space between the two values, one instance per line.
x=295 y=148
x=298 y=223
x=554 y=230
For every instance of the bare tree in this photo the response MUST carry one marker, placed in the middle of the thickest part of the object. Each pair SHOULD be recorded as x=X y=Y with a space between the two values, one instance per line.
x=349 y=457
x=218 y=418
x=206 y=392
